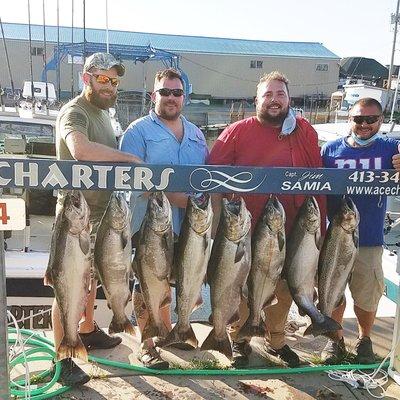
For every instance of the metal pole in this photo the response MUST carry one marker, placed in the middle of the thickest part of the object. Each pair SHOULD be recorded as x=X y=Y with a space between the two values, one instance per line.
x=393 y=50
x=4 y=385
x=394 y=100
x=107 y=38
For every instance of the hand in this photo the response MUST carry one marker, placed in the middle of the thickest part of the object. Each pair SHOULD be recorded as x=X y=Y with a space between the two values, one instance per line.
x=396 y=160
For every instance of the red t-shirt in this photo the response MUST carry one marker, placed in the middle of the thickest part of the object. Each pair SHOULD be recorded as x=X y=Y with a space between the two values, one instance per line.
x=249 y=143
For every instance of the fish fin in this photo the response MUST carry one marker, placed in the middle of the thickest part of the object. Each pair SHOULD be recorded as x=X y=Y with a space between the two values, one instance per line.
x=340 y=301
x=84 y=242
x=301 y=312
x=240 y=250
x=270 y=302
x=125 y=239
x=223 y=346
x=66 y=350
x=178 y=335
x=167 y=301
x=205 y=244
x=125 y=326
x=151 y=331
x=199 y=303
x=315 y=296
x=247 y=331
x=210 y=319
x=321 y=328
x=318 y=239
x=281 y=240
x=355 y=238
x=235 y=318
x=48 y=280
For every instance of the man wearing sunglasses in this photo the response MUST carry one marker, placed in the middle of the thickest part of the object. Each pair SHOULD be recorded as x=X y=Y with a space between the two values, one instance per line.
x=84 y=133
x=162 y=137
x=363 y=148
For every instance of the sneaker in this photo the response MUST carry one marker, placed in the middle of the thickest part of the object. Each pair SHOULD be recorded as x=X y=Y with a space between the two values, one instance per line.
x=364 y=352
x=151 y=358
x=285 y=354
x=240 y=354
x=71 y=375
x=98 y=339
x=333 y=351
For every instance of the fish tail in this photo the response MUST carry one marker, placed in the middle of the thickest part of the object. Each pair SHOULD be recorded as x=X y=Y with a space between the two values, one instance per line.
x=152 y=330
x=248 y=330
x=326 y=326
x=66 y=350
x=179 y=335
x=222 y=345
x=124 y=326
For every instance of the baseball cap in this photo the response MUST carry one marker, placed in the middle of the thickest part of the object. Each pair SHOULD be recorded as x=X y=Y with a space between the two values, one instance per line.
x=103 y=61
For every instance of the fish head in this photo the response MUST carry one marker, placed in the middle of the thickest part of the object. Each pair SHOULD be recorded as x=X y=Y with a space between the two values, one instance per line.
x=274 y=214
x=159 y=212
x=200 y=212
x=237 y=219
x=310 y=215
x=118 y=212
x=76 y=211
x=349 y=215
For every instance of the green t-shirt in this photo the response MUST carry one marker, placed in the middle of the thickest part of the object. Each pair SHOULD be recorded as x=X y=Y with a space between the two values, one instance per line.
x=82 y=116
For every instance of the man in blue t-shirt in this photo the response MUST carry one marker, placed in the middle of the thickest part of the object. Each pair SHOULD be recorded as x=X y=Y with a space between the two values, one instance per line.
x=162 y=137
x=363 y=148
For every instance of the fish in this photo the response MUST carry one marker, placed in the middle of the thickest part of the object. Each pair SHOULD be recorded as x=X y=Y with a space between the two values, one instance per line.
x=112 y=259
x=301 y=265
x=227 y=272
x=192 y=255
x=69 y=271
x=154 y=258
x=337 y=256
x=268 y=249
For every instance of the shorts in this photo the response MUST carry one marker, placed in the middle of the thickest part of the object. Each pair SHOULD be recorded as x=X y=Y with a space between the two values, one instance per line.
x=367 y=281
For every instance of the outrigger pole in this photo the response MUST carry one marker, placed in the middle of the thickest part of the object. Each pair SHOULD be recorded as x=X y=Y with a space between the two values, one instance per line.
x=30 y=51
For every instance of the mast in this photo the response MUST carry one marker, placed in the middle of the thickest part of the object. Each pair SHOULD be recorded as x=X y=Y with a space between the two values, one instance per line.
x=30 y=50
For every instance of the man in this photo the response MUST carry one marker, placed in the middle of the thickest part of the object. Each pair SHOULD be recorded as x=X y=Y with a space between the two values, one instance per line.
x=363 y=148
x=275 y=137
x=162 y=137
x=84 y=133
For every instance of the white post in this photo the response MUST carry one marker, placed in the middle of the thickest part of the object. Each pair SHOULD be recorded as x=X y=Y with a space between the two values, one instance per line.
x=394 y=366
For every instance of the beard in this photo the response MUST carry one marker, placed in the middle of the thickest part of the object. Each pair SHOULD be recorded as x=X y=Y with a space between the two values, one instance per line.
x=98 y=101
x=264 y=115
x=163 y=112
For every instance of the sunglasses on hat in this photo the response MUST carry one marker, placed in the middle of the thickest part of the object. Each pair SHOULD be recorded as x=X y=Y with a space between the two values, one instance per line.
x=369 y=119
x=104 y=79
x=165 y=92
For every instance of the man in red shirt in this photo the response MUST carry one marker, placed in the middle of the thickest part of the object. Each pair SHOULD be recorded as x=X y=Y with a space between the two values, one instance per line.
x=275 y=137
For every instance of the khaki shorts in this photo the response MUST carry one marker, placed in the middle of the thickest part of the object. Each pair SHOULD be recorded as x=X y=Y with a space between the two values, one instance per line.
x=367 y=280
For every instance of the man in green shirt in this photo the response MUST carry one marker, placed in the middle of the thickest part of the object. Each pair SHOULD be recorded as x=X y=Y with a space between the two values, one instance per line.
x=84 y=133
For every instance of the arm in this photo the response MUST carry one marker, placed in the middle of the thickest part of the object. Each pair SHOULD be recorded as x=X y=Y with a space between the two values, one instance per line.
x=396 y=159
x=82 y=149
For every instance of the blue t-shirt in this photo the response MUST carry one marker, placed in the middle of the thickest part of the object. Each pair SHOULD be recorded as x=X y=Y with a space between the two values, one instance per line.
x=372 y=208
x=151 y=140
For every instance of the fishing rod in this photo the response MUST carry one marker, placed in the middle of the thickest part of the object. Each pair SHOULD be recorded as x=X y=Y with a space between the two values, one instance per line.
x=58 y=52
x=30 y=53
x=45 y=55
x=72 y=52
x=84 y=31
x=7 y=58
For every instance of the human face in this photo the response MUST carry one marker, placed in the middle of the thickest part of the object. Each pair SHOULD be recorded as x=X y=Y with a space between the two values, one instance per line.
x=364 y=130
x=272 y=103
x=102 y=95
x=168 y=107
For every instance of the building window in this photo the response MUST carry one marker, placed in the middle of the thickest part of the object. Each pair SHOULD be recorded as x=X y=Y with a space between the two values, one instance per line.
x=37 y=51
x=256 y=64
x=321 y=67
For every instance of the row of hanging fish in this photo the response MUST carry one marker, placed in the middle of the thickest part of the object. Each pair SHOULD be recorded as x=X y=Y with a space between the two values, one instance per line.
x=238 y=264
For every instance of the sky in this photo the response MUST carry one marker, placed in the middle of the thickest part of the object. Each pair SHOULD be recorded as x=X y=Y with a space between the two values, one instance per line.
x=346 y=27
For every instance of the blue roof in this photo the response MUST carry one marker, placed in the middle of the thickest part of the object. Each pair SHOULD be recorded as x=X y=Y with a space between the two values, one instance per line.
x=174 y=43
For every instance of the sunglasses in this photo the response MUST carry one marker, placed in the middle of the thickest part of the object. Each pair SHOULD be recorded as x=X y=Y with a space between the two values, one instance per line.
x=369 y=119
x=165 y=92
x=104 y=79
